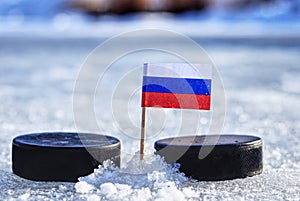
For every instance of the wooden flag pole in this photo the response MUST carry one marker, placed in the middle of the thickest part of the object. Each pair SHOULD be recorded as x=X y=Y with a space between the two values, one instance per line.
x=143 y=133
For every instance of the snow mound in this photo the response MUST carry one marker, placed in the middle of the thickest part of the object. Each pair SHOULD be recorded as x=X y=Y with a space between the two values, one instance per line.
x=148 y=179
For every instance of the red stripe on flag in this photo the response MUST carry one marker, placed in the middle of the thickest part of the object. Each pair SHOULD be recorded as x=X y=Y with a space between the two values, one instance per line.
x=170 y=100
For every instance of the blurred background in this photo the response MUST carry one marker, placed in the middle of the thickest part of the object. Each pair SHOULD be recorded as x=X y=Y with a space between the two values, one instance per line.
x=190 y=17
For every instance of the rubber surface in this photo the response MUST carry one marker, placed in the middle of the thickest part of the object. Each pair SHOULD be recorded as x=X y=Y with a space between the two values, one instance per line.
x=61 y=156
x=229 y=156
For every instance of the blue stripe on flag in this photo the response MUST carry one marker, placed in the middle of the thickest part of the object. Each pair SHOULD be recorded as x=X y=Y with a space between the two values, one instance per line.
x=176 y=85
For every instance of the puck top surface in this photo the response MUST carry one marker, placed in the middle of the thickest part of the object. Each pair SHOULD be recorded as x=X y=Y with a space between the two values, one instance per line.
x=209 y=140
x=65 y=140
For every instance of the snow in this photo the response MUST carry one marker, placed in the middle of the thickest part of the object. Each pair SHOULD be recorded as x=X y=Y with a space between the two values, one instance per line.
x=83 y=187
x=159 y=181
x=24 y=196
x=108 y=189
x=93 y=198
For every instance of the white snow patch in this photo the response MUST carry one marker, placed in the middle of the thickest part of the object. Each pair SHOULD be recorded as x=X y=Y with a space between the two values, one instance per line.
x=148 y=179
x=25 y=196
x=108 y=189
x=93 y=198
x=83 y=187
x=171 y=193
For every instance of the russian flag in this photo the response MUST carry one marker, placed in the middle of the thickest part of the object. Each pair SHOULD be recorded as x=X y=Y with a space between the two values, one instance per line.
x=178 y=85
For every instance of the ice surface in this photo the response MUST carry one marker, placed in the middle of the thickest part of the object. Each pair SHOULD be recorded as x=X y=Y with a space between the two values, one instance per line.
x=260 y=76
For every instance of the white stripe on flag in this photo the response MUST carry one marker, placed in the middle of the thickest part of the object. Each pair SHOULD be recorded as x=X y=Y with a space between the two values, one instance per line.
x=178 y=70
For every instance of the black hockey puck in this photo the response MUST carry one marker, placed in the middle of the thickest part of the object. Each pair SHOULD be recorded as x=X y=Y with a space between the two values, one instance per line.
x=229 y=156
x=61 y=156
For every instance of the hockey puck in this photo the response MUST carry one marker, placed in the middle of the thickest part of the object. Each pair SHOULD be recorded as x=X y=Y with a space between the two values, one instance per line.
x=229 y=157
x=61 y=156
